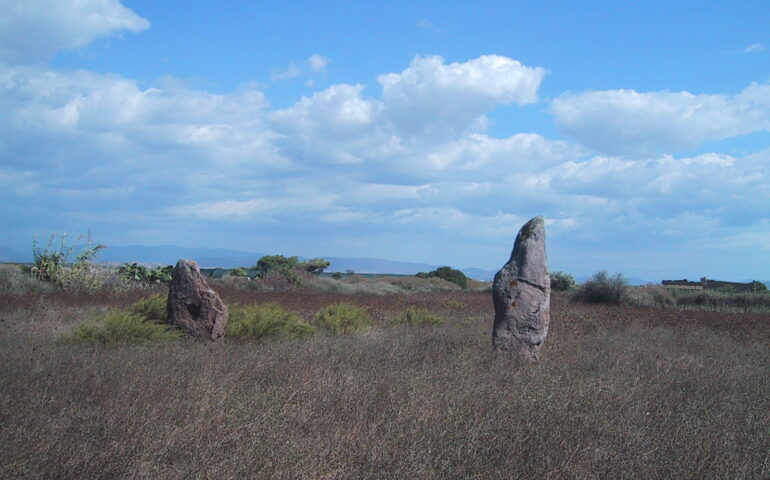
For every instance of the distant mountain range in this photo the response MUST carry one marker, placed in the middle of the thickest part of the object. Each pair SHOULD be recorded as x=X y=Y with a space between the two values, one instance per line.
x=225 y=258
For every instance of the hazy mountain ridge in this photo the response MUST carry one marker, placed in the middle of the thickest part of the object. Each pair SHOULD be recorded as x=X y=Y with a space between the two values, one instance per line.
x=228 y=258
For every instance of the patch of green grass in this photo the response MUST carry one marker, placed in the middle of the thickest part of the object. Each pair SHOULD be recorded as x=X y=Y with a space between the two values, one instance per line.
x=268 y=320
x=418 y=317
x=342 y=318
x=152 y=309
x=122 y=328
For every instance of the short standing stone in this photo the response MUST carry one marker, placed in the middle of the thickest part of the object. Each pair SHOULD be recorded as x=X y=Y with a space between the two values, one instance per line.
x=522 y=295
x=192 y=305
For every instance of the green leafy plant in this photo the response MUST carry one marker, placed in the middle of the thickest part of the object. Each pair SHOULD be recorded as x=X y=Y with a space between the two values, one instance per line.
x=51 y=264
x=342 y=318
x=415 y=316
x=268 y=320
x=142 y=275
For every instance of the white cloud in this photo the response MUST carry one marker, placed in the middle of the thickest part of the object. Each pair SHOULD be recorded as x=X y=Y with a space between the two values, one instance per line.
x=317 y=63
x=433 y=98
x=314 y=65
x=643 y=123
x=754 y=48
x=411 y=162
x=33 y=30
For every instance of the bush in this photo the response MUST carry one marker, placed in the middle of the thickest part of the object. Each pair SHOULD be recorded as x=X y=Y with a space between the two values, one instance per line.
x=447 y=273
x=268 y=320
x=139 y=274
x=418 y=317
x=342 y=318
x=603 y=289
x=123 y=327
x=562 y=282
x=50 y=265
x=152 y=309
x=238 y=272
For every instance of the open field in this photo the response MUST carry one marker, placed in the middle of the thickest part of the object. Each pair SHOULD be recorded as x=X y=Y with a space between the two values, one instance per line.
x=621 y=393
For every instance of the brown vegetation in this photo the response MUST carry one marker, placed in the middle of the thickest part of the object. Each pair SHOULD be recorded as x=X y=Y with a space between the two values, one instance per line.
x=620 y=392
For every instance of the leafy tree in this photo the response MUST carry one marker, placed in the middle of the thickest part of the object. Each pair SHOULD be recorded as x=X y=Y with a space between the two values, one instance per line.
x=276 y=263
x=289 y=266
x=315 y=265
x=447 y=273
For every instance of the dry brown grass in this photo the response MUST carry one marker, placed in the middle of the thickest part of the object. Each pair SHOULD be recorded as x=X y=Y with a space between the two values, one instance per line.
x=620 y=393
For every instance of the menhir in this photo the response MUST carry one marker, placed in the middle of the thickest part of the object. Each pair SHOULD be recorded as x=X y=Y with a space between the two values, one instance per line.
x=192 y=305
x=522 y=295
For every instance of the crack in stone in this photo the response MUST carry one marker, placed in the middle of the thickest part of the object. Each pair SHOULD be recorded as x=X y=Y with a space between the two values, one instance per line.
x=539 y=287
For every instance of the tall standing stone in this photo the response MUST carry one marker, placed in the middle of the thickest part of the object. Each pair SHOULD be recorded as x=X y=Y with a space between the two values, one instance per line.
x=522 y=295
x=192 y=305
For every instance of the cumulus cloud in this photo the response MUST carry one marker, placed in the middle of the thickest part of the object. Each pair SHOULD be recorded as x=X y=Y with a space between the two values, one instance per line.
x=414 y=156
x=317 y=63
x=32 y=31
x=433 y=98
x=643 y=123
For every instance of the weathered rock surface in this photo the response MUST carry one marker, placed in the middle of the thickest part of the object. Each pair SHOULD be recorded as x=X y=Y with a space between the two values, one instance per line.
x=522 y=295
x=192 y=305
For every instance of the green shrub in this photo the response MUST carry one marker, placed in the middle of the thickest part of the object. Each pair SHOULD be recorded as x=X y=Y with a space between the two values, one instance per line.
x=603 y=289
x=418 y=317
x=139 y=274
x=123 y=327
x=562 y=282
x=268 y=320
x=50 y=265
x=447 y=273
x=152 y=309
x=342 y=318
x=238 y=272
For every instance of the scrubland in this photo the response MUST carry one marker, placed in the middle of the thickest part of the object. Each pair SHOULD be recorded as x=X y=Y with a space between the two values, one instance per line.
x=621 y=392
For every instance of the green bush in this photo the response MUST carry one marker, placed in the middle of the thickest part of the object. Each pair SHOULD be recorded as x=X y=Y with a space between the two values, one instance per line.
x=418 y=317
x=603 y=289
x=238 y=272
x=268 y=320
x=152 y=309
x=133 y=272
x=51 y=265
x=123 y=327
x=562 y=282
x=342 y=318
x=447 y=273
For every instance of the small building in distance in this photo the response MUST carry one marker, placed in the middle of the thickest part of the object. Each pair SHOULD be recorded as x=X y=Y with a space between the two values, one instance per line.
x=709 y=284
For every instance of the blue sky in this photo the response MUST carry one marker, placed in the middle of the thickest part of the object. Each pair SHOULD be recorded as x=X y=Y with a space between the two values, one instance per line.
x=414 y=131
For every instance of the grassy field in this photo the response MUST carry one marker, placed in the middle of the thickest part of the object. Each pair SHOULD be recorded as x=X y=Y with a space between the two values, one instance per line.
x=620 y=392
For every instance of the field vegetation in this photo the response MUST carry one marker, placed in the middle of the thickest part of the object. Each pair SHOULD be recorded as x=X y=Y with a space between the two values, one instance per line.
x=365 y=378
